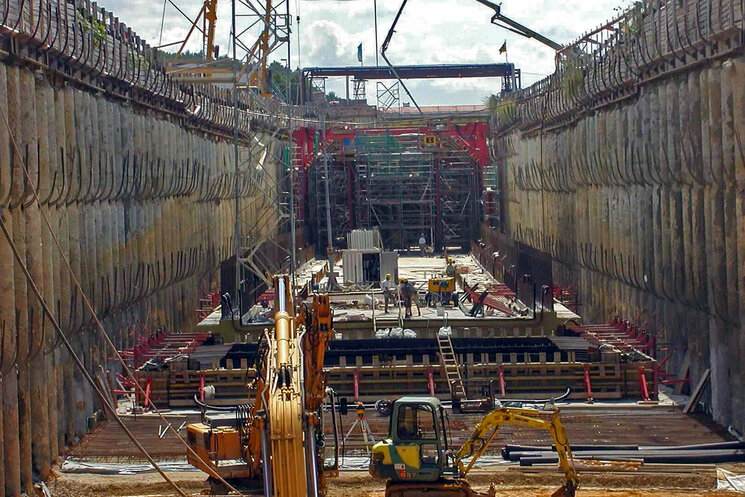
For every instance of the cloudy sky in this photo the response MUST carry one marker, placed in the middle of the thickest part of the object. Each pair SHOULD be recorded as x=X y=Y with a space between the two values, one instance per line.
x=429 y=32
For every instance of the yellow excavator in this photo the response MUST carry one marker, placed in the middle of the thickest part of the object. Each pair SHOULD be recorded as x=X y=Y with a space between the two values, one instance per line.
x=417 y=459
x=275 y=444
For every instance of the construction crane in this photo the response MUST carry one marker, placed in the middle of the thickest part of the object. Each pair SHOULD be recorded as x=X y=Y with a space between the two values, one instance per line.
x=496 y=19
x=505 y=22
x=416 y=459
x=276 y=443
x=257 y=54
x=208 y=15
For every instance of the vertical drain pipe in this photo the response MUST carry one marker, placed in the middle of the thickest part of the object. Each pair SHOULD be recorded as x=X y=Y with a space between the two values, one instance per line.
x=309 y=421
x=332 y=395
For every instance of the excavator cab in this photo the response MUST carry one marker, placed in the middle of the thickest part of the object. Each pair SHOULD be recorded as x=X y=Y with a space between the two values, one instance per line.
x=417 y=448
x=416 y=459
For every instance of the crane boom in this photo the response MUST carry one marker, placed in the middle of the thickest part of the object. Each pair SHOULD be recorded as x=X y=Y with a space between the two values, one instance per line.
x=516 y=27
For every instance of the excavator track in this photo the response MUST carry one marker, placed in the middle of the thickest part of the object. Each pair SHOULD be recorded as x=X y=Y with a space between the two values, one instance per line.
x=442 y=488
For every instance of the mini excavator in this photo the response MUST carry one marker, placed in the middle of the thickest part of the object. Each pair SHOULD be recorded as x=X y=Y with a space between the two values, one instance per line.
x=275 y=444
x=416 y=459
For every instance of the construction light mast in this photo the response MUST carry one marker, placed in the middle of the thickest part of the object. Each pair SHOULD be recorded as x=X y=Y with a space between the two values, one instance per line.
x=329 y=235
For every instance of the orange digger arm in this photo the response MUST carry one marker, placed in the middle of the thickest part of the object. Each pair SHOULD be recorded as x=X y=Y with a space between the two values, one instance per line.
x=315 y=344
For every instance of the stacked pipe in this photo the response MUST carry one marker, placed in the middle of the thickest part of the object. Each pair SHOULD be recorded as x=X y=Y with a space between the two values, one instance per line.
x=626 y=167
x=711 y=453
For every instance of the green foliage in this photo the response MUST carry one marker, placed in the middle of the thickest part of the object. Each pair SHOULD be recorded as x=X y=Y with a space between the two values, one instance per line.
x=501 y=109
x=278 y=74
x=633 y=18
x=186 y=55
x=89 y=25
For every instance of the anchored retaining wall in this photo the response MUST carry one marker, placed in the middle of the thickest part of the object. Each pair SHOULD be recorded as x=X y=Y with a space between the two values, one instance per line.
x=628 y=168
x=143 y=211
x=135 y=175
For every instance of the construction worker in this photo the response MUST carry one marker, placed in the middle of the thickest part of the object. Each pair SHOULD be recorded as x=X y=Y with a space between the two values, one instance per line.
x=409 y=295
x=415 y=299
x=450 y=270
x=405 y=291
x=422 y=244
x=388 y=286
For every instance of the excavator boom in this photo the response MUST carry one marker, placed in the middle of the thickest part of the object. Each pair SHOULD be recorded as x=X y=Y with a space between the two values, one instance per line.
x=276 y=441
x=485 y=431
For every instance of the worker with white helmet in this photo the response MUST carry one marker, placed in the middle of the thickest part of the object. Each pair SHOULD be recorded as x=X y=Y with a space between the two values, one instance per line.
x=388 y=286
x=422 y=244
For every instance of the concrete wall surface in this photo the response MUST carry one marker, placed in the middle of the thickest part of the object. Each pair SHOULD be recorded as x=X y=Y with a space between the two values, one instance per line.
x=117 y=188
x=141 y=208
x=632 y=179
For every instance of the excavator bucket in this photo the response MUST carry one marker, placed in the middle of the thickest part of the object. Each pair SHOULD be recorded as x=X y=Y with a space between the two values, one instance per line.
x=567 y=490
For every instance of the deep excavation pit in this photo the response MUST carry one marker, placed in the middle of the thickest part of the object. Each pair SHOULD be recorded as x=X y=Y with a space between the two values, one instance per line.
x=199 y=239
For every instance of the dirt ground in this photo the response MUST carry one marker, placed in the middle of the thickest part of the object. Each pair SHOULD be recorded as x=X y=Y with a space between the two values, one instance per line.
x=359 y=484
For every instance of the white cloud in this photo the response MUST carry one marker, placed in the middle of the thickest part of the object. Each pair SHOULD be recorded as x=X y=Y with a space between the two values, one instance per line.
x=429 y=32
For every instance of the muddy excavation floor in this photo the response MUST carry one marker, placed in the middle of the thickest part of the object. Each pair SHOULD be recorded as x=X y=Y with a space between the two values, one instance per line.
x=513 y=483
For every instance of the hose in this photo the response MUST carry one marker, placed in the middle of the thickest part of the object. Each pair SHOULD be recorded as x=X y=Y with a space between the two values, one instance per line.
x=233 y=408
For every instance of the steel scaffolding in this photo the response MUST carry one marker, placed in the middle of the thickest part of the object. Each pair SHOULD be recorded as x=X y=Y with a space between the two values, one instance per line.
x=404 y=184
x=395 y=188
x=342 y=217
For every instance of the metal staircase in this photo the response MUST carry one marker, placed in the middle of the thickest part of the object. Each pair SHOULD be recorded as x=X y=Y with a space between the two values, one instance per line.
x=452 y=369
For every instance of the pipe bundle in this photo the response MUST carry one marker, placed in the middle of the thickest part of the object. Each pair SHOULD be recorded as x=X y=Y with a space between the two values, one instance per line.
x=709 y=453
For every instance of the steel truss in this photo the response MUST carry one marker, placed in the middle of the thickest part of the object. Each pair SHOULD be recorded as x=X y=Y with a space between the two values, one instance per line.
x=388 y=95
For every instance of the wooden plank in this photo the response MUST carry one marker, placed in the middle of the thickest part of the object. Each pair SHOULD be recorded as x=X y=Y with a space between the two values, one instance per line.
x=696 y=394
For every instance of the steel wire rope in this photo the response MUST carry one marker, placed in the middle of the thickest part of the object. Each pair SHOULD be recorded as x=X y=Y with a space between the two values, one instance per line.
x=162 y=22
x=99 y=325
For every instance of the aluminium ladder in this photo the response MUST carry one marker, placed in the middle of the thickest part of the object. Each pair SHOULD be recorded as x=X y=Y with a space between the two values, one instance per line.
x=452 y=369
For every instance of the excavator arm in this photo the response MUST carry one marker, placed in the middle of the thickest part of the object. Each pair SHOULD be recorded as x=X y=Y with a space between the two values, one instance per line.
x=317 y=320
x=276 y=439
x=485 y=431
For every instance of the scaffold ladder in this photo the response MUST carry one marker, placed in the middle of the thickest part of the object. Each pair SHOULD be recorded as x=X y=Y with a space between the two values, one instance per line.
x=450 y=364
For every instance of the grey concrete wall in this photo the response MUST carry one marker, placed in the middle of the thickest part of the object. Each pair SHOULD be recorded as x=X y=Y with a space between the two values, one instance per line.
x=130 y=181
x=640 y=203
x=141 y=207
